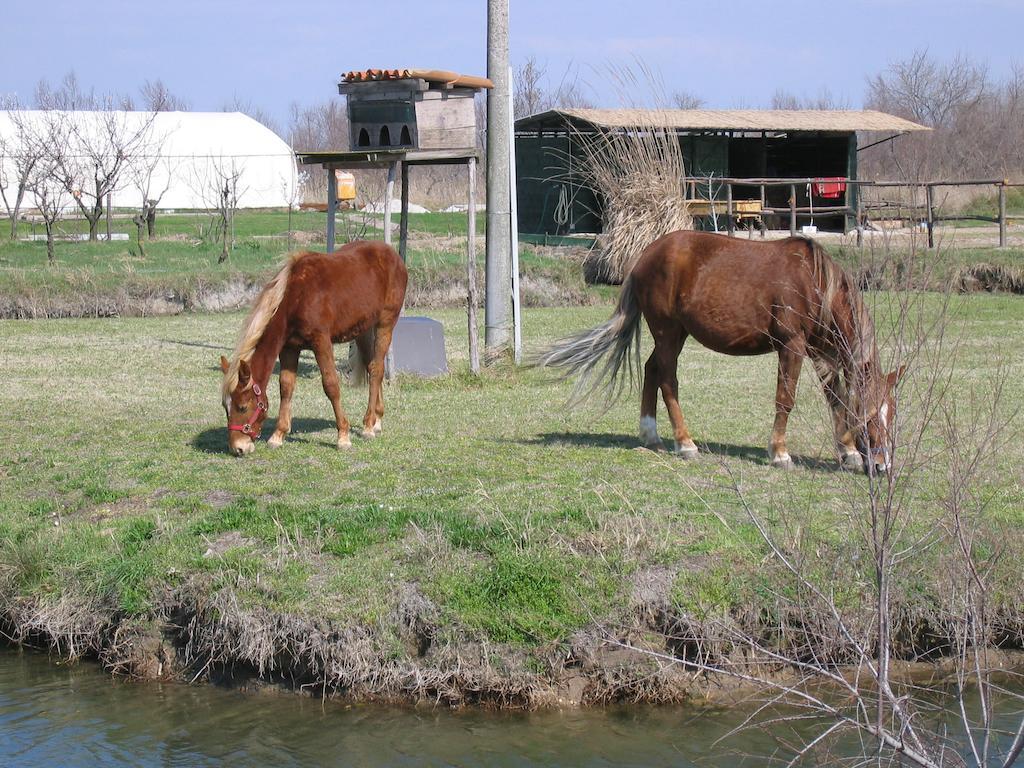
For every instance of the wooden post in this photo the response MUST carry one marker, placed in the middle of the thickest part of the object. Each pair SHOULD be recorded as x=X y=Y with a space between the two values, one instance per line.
x=929 y=194
x=109 y=195
x=764 y=199
x=403 y=227
x=517 y=309
x=389 y=192
x=860 y=218
x=332 y=207
x=730 y=228
x=792 y=210
x=474 y=344
x=1002 y=214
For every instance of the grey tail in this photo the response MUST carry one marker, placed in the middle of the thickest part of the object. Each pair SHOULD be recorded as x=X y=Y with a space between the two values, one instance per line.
x=605 y=358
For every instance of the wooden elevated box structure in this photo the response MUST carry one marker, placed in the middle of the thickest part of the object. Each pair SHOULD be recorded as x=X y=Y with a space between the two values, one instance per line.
x=411 y=109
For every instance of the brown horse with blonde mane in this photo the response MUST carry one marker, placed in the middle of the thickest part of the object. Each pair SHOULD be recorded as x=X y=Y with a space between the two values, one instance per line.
x=315 y=301
x=744 y=298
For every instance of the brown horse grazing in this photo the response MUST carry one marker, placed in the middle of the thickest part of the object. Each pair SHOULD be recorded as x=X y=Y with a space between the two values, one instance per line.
x=742 y=298
x=315 y=301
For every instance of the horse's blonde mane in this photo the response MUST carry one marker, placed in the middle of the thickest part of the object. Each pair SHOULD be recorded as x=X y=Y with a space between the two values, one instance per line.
x=259 y=318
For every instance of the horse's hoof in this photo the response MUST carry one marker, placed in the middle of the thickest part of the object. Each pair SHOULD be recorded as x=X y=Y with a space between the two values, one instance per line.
x=686 y=450
x=783 y=461
x=378 y=428
x=275 y=441
x=344 y=443
x=369 y=434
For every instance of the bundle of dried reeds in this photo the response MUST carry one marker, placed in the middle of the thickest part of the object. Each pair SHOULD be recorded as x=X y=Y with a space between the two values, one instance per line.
x=639 y=176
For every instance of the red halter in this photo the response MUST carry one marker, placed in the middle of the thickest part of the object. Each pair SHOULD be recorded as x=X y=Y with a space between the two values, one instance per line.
x=261 y=407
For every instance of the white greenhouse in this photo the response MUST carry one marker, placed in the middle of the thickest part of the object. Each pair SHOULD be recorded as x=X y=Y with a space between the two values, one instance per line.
x=182 y=159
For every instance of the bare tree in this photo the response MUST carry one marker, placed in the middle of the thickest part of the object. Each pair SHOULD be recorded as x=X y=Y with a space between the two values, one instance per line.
x=927 y=91
x=218 y=182
x=156 y=97
x=103 y=144
x=257 y=113
x=20 y=153
x=532 y=94
x=68 y=96
x=49 y=195
x=976 y=124
x=150 y=173
x=686 y=100
x=320 y=126
x=783 y=99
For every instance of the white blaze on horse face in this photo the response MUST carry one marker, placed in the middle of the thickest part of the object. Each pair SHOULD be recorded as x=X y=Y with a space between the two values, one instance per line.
x=883 y=413
x=648 y=430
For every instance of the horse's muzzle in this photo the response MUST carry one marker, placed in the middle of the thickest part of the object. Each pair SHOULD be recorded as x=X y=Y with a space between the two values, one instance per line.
x=242 y=447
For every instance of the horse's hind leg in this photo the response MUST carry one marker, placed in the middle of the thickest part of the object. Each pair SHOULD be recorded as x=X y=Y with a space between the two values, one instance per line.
x=649 y=405
x=667 y=346
x=373 y=422
x=289 y=365
x=324 y=351
x=790 y=360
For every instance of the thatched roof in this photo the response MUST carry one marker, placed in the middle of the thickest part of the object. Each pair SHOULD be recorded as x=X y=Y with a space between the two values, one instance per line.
x=828 y=120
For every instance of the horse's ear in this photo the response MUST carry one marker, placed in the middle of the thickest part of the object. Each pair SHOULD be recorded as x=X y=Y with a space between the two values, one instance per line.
x=244 y=373
x=895 y=376
x=224 y=364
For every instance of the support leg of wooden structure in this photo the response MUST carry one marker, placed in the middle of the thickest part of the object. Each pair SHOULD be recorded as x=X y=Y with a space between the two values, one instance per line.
x=929 y=194
x=403 y=226
x=1002 y=215
x=792 y=210
x=517 y=310
x=761 y=222
x=860 y=221
x=729 y=221
x=332 y=207
x=474 y=342
x=389 y=193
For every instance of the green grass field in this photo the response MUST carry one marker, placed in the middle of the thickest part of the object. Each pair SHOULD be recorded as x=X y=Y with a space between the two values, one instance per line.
x=521 y=520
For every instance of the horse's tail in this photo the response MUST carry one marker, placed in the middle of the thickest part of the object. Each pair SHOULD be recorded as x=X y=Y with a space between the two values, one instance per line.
x=616 y=342
x=359 y=374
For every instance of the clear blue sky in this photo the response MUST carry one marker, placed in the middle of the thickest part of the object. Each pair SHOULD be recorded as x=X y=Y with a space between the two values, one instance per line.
x=734 y=53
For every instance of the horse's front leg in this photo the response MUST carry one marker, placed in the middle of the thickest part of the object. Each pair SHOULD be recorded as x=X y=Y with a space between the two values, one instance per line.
x=791 y=357
x=324 y=351
x=838 y=403
x=289 y=366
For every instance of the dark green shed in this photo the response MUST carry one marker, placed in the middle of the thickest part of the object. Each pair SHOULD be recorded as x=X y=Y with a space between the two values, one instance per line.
x=736 y=144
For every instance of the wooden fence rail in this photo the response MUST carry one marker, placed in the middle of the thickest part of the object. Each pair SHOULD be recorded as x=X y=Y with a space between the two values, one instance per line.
x=860 y=212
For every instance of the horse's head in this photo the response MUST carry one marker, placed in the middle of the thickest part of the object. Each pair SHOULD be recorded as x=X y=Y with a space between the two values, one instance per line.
x=246 y=408
x=875 y=438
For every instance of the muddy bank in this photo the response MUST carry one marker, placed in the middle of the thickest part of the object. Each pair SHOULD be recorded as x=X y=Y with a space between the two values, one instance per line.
x=413 y=656
x=130 y=300
x=428 y=289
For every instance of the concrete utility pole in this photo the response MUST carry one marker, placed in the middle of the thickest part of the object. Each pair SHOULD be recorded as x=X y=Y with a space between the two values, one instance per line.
x=498 y=269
